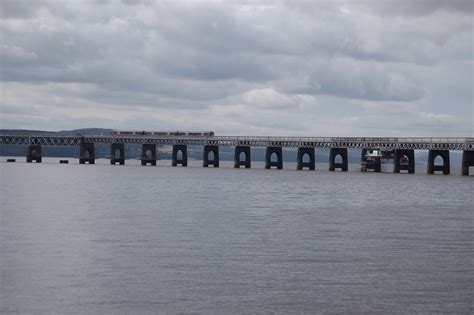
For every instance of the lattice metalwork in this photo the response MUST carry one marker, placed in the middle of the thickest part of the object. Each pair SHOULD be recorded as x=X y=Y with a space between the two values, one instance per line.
x=58 y=139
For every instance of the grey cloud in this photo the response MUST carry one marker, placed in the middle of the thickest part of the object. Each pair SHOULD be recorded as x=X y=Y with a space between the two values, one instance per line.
x=420 y=7
x=20 y=9
x=29 y=110
x=191 y=56
x=386 y=8
x=356 y=80
x=415 y=119
x=17 y=56
x=136 y=2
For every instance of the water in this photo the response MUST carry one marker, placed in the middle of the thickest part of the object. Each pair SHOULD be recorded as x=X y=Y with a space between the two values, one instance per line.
x=118 y=239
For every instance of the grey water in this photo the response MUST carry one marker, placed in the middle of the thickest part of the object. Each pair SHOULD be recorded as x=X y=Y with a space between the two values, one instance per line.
x=134 y=239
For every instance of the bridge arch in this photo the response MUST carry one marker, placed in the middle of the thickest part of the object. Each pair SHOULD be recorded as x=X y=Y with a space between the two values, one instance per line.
x=86 y=153
x=269 y=163
x=180 y=149
x=274 y=157
x=306 y=158
x=148 y=155
x=341 y=164
x=34 y=153
x=404 y=160
x=438 y=161
x=117 y=153
x=210 y=156
x=242 y=156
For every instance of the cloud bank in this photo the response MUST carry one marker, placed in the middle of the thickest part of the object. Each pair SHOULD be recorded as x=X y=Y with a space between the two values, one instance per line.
x=342 y=68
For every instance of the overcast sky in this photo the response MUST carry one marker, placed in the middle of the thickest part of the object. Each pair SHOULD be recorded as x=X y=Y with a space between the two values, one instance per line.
x=312 y=68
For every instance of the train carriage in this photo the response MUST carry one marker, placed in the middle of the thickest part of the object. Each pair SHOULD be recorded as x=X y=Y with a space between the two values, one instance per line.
x=162 y=133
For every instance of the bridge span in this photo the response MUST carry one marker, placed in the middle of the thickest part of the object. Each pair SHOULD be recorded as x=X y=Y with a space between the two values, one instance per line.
x=373 y=149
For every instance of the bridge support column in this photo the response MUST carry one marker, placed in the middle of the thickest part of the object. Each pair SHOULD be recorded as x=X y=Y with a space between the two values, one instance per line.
x=121 y=158
x=205 y=158
x=432 y=168
x=404 y=161
x=148 y=154
x=370 y=163
x=311 y=165
x=333 y=153
x=237 y=161
x=268 y=158
x=184 y=153
x=87 y=153
x=467 y=160
x=34 y=153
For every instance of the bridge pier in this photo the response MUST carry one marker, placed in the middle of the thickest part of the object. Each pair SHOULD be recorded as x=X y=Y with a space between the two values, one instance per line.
x=34 y=153
x=467 y=160
x=373 y=163
x=333 y=153
x=184 y=153
x=86 y=153
x=148 y=154
x=205 y=158
x=237 y=162
x=404 y=161
x=121 y=158
x=268 y=158
x=311 y=165
x=432 y=168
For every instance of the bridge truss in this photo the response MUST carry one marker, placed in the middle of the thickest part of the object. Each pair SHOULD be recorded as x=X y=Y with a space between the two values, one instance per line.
x=61 y=139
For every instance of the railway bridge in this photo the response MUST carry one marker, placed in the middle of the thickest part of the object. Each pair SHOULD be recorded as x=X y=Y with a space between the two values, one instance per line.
x=373 y=149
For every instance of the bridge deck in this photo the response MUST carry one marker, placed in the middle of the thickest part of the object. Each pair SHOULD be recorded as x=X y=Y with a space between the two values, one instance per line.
x=415 y=143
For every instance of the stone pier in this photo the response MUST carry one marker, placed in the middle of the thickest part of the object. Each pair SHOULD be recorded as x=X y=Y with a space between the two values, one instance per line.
x=86 y=153
x=404 y=161
x=333 y=153
x=34 y=153
x=467 y=160
x=445 y=167
x=205 y=158
x=120 y=147
x=237 y=161
x=184 y=155
x=278 y=151
x=311 y=164
x=148 y=154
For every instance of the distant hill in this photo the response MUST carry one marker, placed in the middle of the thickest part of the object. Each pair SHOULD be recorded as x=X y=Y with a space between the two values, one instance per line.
x=20 y=131
x=88 y=131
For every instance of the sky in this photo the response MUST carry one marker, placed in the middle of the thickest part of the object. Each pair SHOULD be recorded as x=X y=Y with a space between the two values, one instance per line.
x=280 y=68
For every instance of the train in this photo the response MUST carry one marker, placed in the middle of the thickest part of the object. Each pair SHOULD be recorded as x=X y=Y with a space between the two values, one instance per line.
x=162 y=133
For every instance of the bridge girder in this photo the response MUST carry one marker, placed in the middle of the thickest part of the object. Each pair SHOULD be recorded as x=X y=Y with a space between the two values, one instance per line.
x=435 y=143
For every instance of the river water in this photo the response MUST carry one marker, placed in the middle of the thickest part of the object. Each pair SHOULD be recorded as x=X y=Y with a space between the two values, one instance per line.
x=133 y=239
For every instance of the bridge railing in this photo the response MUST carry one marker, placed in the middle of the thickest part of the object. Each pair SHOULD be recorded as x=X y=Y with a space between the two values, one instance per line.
x=419 y=143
